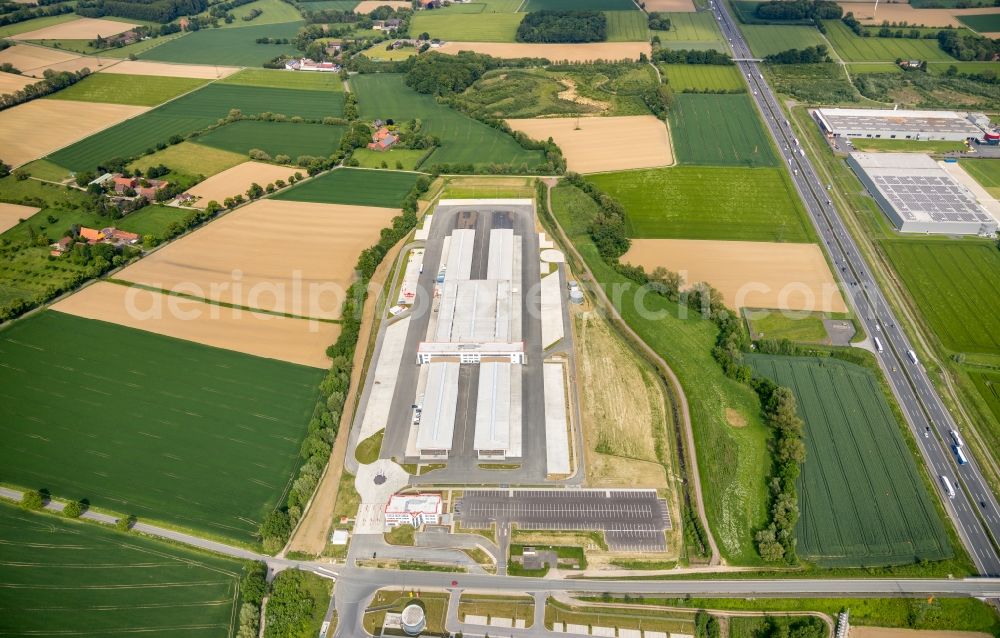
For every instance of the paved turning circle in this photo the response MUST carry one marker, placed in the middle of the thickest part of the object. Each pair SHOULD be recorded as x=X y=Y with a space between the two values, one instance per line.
x=632 y=520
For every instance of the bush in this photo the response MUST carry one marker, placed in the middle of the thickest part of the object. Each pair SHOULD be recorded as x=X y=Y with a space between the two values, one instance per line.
x=126 y=523
x=32 y=500
x=74 y=509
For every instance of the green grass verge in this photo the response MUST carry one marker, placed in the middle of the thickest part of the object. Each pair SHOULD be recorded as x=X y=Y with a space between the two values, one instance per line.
x=275 y=138
x=367 y=451
x=904 y=146
x=862 y=500
x=766 y=39
x=358 y=186
x=773 y=324
x=953 y=284
x=853 y=48
x=71 y=574
x=169 y=430
x=127 y=89
x=463 y=139
x=281 y=79
x=735 y=462
x=703 y=77
x=627 y=26
x=986 y=172
x=467 y=27
x=227 y=47
x=192 y=159
x=719 y=130
x=753 y=204
x=400 y=535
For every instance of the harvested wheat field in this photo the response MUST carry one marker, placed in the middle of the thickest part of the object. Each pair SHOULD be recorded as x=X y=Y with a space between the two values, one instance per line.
x=864 y=11
x=299 y=341
x=887 y=632
x=79 y=29
x=54 y=124
x=27 y=58
x=169 y=70
x=236 y=181
x=596 y=144
x=11 y=82
x=367 y=6
x=748 y=274
x=672 y=6
x=587 y=52
x=291 y=257
x=11 y=214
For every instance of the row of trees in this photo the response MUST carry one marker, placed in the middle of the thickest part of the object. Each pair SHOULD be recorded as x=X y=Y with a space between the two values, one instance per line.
x=28 y=13
x=687 y=56
x=52 y=81
x=967 y=46
x=799 y=10
x=808 y=55
x=563 y=26
x=150 y=10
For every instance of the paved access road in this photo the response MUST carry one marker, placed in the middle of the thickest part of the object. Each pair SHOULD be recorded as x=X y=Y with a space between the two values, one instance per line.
x=974 y=508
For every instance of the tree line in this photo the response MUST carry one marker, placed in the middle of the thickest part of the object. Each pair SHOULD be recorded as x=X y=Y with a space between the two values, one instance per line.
x=799 y=10
x=53 y=81
x=563 y=26
x=807 y=55
x=151 y=10
x=28 y=13
x=688 y=56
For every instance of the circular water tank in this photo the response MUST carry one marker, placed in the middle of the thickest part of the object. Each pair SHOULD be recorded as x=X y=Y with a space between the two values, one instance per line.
x=412 y=619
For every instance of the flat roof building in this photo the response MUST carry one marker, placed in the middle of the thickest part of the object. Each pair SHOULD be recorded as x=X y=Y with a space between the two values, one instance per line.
x=413 y=509
x=460 y=247
x=897 y=124
x=498 y=413
x=437 y=420
x=919 y=196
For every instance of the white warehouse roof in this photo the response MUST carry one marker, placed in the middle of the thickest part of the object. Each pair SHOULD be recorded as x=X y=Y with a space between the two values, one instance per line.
x=493 y=407
x=501 y=255
x=929 y=123
x=474 y=310
x=459 y=264
x=437 y=420
x=414 y=504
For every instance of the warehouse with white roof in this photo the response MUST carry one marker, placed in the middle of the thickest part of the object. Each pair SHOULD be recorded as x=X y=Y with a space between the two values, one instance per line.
x=897 y=124
x=919 y=196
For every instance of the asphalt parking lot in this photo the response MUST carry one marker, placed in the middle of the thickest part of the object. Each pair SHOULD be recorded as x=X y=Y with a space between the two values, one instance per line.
x=632 y=520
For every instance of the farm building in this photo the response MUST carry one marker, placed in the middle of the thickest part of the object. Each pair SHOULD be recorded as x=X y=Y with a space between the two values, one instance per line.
x=897 y=124
x=919 y=196
x=413 y=509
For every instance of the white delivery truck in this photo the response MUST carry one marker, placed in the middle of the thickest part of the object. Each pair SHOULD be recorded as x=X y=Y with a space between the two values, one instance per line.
x=948 y=487
x=878 y=345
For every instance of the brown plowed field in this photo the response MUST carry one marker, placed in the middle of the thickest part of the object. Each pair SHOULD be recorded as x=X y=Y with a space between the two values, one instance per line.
x=863 y=11
x=595 y=144
x=236 y=181
x=166 y=69
x=886 y=632
x=11 y=214
x=367 y=6
x=54 y=124
x=294 y=340
x=290 y=257
x=555 y=52
x=79 y=29
x=748 y=274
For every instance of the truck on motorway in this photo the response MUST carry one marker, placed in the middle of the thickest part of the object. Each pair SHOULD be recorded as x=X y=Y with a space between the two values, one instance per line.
x=959 y=455
x=948 y=487
x=878 y=345
x=913 y=357
x=955 y=437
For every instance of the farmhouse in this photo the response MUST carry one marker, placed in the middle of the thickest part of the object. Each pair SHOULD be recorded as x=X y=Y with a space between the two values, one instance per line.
x=896 y=124
x=382 y=139
x=414 y=510
x=386 y=25
x=305 y=64
x=110 y=235
x=61 y=246
x=919 y=196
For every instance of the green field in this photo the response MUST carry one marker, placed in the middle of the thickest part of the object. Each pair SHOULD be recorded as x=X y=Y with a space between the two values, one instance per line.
x=463 y=139
x=857 y=68
x=703 y=77
x=467 y=27
x=192 y=112
x=409 y=158
x=719 y=130
x=191 y=159
x=323 y=5
x=988 y=385
x=627 y=26
x=734 y=460
x=274 y=12
x=127 y=89
x=35 y=23
x=954 y=285
x=982 y=22
x=688 y=202
x=861 y=497
x=766 y=39
x=290 y=139
x=61 y=576
x=281 y=79
x=150 y=220
x=227 y=47
x=165 y=429
x=383 y=52
x=798 y=327
x=939 y=68
x=907 y=146
x=363 y=187
x=986 y=172
x=853 y=48
x=688 y=30
x=578 y=5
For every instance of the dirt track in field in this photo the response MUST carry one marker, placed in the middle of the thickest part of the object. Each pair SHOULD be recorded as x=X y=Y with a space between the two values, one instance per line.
x=367 y=6
x=678 y=6
x=554 y=52
x=290 y=257
x=886 y=632
x=294 y=340
x=748 y=274
x=79 y=29
x=864 y=12
x=236 y=180
x=596 y=144
x=11 y=214
x=54 y=124
x=168 y=70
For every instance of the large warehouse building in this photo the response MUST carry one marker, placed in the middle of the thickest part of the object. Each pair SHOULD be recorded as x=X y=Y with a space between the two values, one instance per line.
x=897 y=124
x=919 y=196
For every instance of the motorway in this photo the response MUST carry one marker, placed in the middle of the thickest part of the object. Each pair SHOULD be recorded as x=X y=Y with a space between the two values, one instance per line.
x=973 y=508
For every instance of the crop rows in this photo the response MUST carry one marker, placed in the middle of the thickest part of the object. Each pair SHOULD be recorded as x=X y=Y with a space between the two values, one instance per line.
x=275 y=138
x=362 y=187
x=719 y=130
x=853 y=48
x=703 y=77
x=627 y=26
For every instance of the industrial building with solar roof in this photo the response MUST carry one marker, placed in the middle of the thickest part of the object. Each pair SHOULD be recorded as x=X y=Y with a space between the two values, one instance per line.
x=897 y=124
x=919 y=196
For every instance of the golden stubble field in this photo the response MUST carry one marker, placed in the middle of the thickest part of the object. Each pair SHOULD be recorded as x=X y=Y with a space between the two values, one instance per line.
x=748 y=274
x=865 y=12
x=670 y=6
x=367 y=6
x=37 y=128
x=171 y=70
x=12 y=83
x=33 y=61
x=236 y=180
x=291 y=257
x=585 y=52
x=300 y=341
x=79 y=29
x=596 y=144
x=11 y=214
